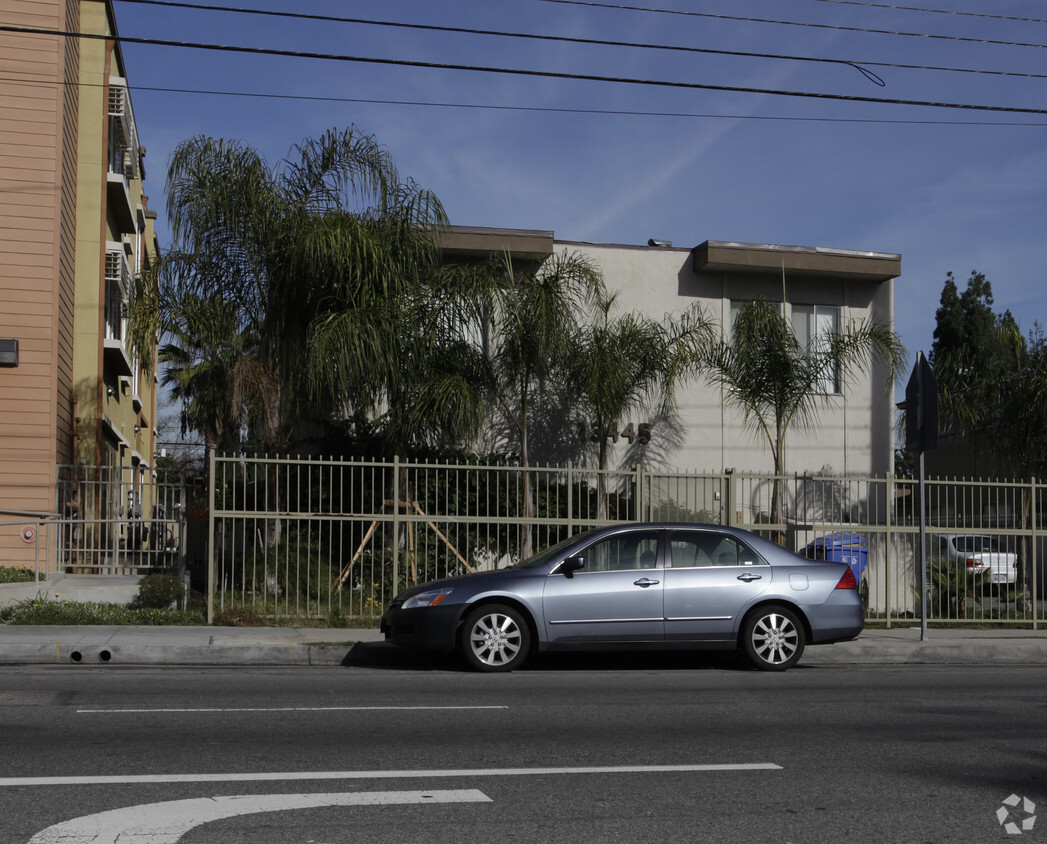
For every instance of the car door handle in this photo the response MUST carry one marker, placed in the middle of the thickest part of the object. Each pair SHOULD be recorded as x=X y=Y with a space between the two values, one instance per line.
x=748 y=577
x=645 y=582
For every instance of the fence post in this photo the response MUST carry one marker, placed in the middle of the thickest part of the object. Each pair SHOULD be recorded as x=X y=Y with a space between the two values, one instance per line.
x=396 y=524
x=570 y=499
x=638 y=477
x=888 y=492
x=210 y=535
x=728 y=497
x=1033 y=523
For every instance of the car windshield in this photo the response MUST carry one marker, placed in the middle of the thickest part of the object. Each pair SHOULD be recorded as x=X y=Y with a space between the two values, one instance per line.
x=977 y=543
x=551 y=553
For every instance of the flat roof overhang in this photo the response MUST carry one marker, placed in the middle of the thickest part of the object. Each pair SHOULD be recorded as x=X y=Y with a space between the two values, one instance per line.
x=723 y=256
x=477 y=242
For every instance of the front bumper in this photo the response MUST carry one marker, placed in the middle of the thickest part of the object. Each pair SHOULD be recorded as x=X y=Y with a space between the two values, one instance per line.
x=429 y=628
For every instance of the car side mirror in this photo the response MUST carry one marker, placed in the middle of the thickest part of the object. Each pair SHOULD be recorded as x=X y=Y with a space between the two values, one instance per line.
x=572 y=564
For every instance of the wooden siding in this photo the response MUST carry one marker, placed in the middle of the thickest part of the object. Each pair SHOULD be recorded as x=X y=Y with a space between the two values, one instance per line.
x=32 y=114
x=64 y=408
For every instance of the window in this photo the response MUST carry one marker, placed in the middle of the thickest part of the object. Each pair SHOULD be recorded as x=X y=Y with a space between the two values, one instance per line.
x=700 y=549
x=117 y=293
x=124 y=151
x=738 y=304
x=811 y=325
x=622 y=553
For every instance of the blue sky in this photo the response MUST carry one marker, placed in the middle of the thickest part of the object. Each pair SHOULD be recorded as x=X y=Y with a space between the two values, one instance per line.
x=949 y=189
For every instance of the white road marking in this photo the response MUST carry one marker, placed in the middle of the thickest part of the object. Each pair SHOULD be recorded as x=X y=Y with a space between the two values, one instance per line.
x=7 y=782
x=292 y=709
x=165 y=823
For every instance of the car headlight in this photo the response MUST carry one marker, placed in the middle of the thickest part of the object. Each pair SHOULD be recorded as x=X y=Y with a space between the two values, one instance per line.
x=429 y=598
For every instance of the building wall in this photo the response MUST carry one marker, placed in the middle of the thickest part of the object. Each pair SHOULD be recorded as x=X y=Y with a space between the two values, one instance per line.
x=853 y=432
x=37 y=192
x=91 y=235
x=56 y=223
x=66 y=411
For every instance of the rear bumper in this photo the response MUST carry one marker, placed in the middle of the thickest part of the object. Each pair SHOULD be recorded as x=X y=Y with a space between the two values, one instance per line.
x=837 y=622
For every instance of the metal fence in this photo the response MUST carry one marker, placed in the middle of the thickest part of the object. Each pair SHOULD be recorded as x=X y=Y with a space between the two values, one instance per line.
x=118 y=520
x=38 y=530
x=338 y=538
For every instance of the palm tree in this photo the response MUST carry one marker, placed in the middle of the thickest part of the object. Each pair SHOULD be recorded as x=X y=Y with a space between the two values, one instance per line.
x=406 y=358
x=331 y=237
x=281 y=253
x=778 y=384
x=532 y=316
x=198 y=361
x=625 y=363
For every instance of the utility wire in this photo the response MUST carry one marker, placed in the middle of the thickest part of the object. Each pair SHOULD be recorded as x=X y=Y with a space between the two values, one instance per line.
x=795 y=23
x=541 y=109
x=860 y=66
x=933 y=11
x=872 y=77
x=544 y=74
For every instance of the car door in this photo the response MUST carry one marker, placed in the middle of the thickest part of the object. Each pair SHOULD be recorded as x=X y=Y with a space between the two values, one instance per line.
x=710 y=577
x=616 y=595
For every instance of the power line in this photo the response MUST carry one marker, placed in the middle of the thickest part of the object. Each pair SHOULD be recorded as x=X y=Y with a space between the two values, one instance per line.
x=860 y=66
x=795 y=23
x=933 y=11
x=498 y=33
x=541 y=109
x=544 y=74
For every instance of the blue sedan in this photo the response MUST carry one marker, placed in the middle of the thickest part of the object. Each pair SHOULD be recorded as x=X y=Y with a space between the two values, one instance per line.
x=658 y=586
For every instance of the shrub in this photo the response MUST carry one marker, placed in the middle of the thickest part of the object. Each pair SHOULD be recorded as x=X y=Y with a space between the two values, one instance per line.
x=10 y=574
x=157 y=591
x=43 y=611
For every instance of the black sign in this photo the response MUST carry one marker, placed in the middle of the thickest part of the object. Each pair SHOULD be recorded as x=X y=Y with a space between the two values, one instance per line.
x=921 y=407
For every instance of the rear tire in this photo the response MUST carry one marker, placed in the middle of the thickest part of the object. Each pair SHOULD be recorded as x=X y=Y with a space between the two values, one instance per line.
x=773 y=638
x=495 y=638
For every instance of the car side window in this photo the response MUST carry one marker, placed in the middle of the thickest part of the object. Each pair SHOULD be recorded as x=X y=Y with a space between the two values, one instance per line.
x=699 y=549
x=622 y=553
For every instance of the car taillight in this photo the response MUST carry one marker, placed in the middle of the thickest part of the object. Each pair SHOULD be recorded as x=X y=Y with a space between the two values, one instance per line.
x=847 y=581
x=973 y=563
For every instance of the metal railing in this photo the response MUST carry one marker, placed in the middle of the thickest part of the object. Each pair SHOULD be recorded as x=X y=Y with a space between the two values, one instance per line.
x=326 y=538
x=118 y=520
x=38 y=530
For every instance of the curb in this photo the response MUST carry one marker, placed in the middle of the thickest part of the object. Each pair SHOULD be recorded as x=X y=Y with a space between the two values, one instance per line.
x=183 y=655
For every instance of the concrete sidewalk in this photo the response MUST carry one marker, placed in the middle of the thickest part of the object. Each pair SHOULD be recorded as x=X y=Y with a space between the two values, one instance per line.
x=296 y=646
x=121 y=645
x=129 y=645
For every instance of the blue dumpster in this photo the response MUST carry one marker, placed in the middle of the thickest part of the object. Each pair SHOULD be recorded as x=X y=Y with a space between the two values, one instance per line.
x=842 y=547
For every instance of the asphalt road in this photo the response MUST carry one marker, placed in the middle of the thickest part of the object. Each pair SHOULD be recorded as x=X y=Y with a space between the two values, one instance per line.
x=575 y=751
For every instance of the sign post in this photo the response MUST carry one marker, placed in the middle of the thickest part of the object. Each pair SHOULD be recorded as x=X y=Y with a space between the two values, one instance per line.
x=921 y=434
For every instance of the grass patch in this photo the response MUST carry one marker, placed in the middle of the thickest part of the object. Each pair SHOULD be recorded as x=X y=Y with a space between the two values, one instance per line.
x=55 y=611
x=38 y=611
x=10 y=574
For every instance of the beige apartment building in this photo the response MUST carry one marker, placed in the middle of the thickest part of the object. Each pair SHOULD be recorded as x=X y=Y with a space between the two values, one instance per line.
x=818 y=289
x=75 y=227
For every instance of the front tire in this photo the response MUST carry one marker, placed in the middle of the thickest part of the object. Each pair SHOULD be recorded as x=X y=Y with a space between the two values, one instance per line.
x=495 y=638
x=773 y=638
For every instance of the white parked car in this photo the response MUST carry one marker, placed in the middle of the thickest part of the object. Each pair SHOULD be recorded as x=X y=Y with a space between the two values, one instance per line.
x=981 y=554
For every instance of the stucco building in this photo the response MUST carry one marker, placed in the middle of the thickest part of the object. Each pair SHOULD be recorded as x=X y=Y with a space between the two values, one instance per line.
x=75 y=227
x=820 y=289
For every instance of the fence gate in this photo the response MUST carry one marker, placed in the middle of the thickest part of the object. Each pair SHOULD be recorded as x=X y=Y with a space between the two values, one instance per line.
x=119 y=520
